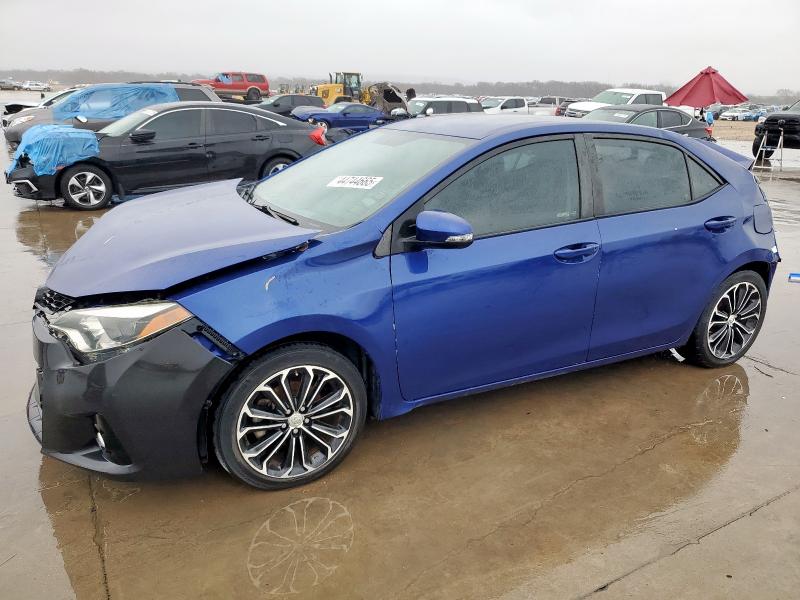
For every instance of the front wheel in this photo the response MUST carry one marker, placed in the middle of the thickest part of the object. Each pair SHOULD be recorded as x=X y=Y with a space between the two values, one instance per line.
x=757 y=145
x=291 y=417
x=730 y=323
x=86 y=187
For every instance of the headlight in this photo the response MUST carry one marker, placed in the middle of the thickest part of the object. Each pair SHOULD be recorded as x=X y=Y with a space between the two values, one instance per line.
x=20 y=120
x=92 y=330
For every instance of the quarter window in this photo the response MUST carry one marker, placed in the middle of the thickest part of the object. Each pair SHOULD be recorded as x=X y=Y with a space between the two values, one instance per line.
x=191 y=94
x=230 y=121
x=636 y=176
x=255 y=78
x=522 y=188
x=176 y=125
x=703 y=183
x=236 y=77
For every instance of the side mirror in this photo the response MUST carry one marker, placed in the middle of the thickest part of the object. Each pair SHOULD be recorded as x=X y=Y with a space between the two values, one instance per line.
x=81 y=119
x=429 y=111
x=442 y=229
x=276 y=104
x=142 y=135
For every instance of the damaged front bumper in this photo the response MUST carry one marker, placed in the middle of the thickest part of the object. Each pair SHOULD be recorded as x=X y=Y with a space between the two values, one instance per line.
x=141 y=410
x=27 y=184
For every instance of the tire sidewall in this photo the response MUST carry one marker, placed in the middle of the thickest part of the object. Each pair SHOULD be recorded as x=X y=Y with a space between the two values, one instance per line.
x=701 y=330
x=227 y=414
x=70 y=173
x=272 y=163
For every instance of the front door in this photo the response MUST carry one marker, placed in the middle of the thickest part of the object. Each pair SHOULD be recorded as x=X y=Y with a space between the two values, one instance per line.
x=516 y=302
x=669 y=228
x=175 y=157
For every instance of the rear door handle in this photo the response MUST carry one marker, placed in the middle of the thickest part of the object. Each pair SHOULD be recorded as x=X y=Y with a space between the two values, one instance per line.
x=259 y=138
x=193 y=145
x=575 y=253
x=718 y=224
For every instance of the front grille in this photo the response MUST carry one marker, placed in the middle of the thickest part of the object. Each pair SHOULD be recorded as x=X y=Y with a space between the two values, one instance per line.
x=51 y=301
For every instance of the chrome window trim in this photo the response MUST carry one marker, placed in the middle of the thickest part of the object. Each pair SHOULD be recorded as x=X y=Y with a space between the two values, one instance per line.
x=244 y=112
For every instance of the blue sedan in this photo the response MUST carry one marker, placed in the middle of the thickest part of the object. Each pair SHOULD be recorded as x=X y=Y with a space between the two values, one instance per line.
x=428 y=260
x=346 y=115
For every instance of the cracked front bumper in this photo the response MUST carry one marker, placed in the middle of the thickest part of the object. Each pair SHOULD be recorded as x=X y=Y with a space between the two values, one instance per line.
x=141 y=410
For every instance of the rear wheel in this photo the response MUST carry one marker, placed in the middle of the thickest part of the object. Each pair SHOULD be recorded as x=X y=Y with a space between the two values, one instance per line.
x=86 y=187
x=275 y=165
x=324 y=124
x=253 y=95
x=730 y=323
x=291 y=417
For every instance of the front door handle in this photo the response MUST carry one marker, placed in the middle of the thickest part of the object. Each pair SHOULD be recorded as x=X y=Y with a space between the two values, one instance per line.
x=259 y=138
x=719 y=224
x=576 y=253
x=193 y=146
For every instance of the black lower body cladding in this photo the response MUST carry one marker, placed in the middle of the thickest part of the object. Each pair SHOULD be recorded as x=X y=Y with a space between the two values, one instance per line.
x=146 y=403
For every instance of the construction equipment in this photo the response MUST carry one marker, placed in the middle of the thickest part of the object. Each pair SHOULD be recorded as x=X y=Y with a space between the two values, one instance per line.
x=343 y=87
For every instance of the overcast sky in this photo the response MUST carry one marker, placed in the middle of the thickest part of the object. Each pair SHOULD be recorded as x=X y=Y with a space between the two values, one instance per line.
x=405 y=40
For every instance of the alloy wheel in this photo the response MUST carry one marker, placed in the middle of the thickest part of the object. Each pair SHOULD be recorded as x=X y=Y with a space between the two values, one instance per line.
x=278 y=167
x=295 y=422
x=86 y=188
x=734 y=320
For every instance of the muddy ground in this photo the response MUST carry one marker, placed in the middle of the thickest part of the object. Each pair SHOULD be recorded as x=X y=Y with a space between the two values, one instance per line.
x=647 y=479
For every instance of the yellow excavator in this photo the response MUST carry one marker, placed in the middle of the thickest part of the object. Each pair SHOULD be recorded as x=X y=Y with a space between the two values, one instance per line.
x=343 y=87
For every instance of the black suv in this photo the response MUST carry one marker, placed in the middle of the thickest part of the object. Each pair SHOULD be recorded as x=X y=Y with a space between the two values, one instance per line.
x=105 y=94
x=788 y=120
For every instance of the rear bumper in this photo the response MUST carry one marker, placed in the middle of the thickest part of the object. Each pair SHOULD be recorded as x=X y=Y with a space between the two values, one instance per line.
x=146 y=404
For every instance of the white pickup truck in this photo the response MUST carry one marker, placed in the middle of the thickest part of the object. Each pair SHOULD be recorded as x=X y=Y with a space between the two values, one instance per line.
x=616 y=96
x=494 y=105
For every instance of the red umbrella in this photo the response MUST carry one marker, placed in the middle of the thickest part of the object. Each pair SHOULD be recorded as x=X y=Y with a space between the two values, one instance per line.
x=707 y=87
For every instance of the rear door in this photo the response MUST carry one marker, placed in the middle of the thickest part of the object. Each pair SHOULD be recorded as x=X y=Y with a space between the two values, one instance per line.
x=236 y=141
x=666 y=241
x=519 y=299
x=175 y=157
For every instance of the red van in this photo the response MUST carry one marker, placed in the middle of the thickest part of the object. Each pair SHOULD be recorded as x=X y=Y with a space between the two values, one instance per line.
x=230 y=84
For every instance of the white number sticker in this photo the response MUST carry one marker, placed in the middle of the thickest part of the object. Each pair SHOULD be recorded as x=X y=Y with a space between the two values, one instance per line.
x=359 y=182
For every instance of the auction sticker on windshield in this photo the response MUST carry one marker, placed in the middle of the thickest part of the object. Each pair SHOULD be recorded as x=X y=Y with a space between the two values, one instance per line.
x=359 y=182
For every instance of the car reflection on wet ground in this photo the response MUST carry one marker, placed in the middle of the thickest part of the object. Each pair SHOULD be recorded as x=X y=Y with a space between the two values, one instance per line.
x=649 y=478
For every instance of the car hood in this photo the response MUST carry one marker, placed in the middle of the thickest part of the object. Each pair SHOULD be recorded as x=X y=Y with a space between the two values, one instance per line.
x=587 y=106
x=160 y=241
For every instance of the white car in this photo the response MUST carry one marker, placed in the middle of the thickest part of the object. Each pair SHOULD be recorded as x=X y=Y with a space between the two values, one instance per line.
x=616 y=96
x=494 y=105
x=441 y=105
x=35 y=86
x=737 y=114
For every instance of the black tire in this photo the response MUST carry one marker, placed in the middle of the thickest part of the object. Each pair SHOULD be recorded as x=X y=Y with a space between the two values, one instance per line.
x=291 y=359
x=757 y=145
x=271 y=165
x=698 y=351
x=95 y=195
x=253 y=95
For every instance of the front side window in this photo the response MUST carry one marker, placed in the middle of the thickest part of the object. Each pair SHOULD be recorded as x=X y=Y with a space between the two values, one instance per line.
x=522 y=188
x=647 y=119
x=457 y=106
x=612 y=97
x=230 y=121
x=350 y=181
x=491 y=102
x=636 y=176
x=655 y=99
x=416 y=107
x=440 y=107
x=176 y=125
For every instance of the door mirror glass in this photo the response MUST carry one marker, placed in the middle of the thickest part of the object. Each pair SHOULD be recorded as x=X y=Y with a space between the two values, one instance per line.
x=429 y=111
x=437 y=228
x=81 y=119
x=142 y=135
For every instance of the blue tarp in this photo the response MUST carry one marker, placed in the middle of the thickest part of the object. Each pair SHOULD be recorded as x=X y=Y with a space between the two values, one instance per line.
x=51 y=146
x=113 y=101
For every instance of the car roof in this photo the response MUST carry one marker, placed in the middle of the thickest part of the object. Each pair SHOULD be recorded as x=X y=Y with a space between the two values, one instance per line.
x=639 y=107
x=634 y=91
x=447 y=98
x=480 y=126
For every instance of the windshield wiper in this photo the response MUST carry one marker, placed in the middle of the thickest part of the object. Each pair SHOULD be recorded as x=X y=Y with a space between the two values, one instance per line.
x=275 y=214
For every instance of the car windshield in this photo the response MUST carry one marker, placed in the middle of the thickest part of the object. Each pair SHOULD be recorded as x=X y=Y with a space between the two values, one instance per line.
x=491 y=102
x=612 y=97
x=415 y=107
x=58 y=98
x=610 y=115
x=352 y=180
x=794 y=107
x=125 y=124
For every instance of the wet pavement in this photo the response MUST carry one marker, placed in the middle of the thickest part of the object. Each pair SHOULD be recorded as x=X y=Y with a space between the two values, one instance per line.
x=649 y=478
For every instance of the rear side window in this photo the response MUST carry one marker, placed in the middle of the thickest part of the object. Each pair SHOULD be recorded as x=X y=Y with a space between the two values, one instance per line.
x=255 y=78
x=191 y=94
x=474 y=107
x=522 y=188
x=670 y=118
x=636 y=176
x=703 y=182
x=230 y=121
x=439 y=107
x=458 y=107
x=176 y=125
x=236 y=77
